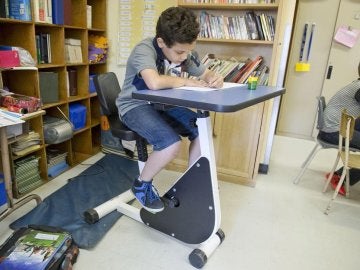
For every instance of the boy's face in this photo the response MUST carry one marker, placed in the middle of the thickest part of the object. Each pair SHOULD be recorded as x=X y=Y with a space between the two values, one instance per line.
x=178 y=52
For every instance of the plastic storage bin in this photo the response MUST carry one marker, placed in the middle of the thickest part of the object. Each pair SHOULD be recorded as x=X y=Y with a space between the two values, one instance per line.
x=3 y=199
x=77 y=114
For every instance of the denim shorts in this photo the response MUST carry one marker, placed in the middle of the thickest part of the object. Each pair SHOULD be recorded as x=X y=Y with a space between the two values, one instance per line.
x=162 y=128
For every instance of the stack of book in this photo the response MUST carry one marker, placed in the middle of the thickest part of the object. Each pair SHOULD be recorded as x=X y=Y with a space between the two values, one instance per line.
x=56 y=161
x=26 y=144
x=43 y=48
x=27 y=174
x=238 y=70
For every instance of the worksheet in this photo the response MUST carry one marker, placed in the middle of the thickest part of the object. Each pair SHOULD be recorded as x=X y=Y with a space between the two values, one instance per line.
x=204 y=89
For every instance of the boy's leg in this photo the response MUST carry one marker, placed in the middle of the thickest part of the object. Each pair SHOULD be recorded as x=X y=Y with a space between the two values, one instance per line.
x=149 y=124
x=157 y=160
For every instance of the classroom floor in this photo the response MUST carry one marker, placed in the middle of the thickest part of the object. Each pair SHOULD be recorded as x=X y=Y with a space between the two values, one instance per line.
x=275 y=226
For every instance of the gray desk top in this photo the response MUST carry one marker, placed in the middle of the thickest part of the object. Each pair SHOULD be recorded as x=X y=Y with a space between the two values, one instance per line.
x=226 y=100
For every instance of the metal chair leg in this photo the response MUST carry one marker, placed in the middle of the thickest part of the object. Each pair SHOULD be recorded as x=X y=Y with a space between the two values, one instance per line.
x=341 y=181
x=347 y=183
x=311 y=155
x=306 y=163
x=332 y=173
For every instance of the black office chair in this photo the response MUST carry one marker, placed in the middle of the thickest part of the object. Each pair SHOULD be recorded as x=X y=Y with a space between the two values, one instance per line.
x=107 y=88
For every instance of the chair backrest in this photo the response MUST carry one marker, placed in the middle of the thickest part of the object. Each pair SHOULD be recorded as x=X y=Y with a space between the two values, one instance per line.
x=321 y=108
x=107 y=88
x=347 y=125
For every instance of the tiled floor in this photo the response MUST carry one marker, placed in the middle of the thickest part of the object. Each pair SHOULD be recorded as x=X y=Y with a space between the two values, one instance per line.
x=275 y=226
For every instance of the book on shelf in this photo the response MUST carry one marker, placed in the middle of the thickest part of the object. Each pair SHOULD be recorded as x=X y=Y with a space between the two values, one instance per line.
x=268 y=26
x=259 y=27
x=39 y=11
x=89 y=16
x=250 y=68
x=72 y=79
x=43 y=48
x=67 y=12
x=49 y=86
x=20 y=10
x=58 y=11
x=251 y=25
x=4 y=8
x=49 y=16
x=229 y=1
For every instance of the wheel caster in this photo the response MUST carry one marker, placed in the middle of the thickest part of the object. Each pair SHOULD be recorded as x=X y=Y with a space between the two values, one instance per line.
x=197 y=258
x=91 y=216
x=221 y=235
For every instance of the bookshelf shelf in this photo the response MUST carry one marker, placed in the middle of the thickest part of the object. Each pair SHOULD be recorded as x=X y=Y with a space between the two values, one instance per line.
x=229 y=6
x=213 y=40
x=237 y=156
x=96 y=30
x=26 y=81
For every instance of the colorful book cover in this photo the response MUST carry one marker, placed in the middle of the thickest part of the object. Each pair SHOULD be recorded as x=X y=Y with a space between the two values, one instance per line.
x=34 y=250
x=20 y=10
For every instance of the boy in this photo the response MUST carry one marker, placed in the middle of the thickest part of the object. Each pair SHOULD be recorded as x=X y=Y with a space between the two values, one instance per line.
x=155 y=64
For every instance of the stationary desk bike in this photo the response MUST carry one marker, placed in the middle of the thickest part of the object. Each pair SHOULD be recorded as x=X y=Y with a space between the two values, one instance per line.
x=192 y=205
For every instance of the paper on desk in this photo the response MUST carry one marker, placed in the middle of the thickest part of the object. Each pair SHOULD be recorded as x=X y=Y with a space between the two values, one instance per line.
x=7 y=120
x=204 y=89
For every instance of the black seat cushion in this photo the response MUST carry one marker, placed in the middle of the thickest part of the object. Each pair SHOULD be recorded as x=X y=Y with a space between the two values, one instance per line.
x=119 y=130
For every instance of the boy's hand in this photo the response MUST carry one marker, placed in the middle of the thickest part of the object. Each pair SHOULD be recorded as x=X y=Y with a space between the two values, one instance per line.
x=213 y=79
x=216 y=81
x=196 y=83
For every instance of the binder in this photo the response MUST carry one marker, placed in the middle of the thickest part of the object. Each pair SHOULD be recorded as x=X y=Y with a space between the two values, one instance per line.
x=67 y=12
x=72 y=73
x=58 y=11
x=49 y=86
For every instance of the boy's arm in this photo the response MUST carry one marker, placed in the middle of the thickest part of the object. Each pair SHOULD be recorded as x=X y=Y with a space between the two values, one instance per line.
x=154 y=81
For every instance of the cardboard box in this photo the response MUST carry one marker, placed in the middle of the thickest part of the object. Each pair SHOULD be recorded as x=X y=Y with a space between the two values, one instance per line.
x=9 y=59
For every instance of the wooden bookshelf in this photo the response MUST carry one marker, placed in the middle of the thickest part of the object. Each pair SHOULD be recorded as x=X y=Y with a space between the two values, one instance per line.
x=239 y=137
x=86 y=141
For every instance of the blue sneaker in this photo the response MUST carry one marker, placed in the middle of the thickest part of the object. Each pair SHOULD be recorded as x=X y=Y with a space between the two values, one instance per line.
x=147 y=195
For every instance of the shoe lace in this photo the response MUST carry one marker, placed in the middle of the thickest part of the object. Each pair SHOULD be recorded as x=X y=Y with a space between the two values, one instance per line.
x=151 y=193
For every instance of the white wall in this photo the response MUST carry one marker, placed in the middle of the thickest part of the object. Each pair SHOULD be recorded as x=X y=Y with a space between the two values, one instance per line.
x=112 y=32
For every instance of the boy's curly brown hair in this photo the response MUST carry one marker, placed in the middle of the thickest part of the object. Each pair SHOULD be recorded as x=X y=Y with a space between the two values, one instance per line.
x=177 y=25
